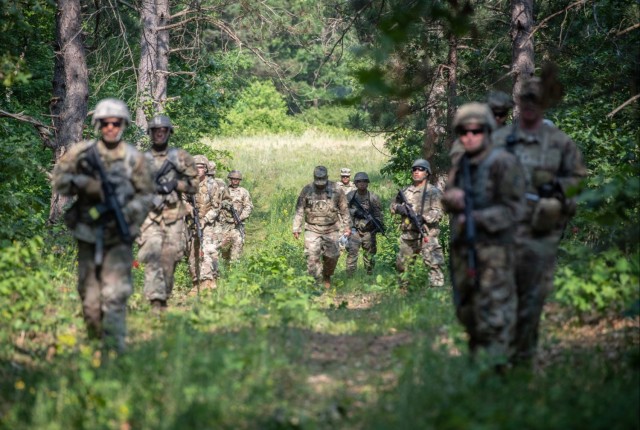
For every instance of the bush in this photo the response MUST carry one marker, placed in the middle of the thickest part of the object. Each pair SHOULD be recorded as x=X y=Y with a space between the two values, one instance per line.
x=260 y=109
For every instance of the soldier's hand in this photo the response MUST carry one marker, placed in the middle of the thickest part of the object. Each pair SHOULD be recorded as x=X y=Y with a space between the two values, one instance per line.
x=167 y=187
x=347 y=231
x=89 y=187
x=402 y=209
x=454 y=199
x=296 y=235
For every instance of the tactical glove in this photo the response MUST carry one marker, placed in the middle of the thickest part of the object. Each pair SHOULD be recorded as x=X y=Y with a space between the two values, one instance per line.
x=402 y=210
x=89 y=187
x=167 y=187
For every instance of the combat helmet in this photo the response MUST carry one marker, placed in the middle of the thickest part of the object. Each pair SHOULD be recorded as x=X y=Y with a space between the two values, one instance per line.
x=421 y=162
x=201 y=159
x=234 y=174
x=345 y=171
x=361 y=176
x=110 y=108
x=160 y=121
x=320 y=176
x=474 y=113
x=499 y=100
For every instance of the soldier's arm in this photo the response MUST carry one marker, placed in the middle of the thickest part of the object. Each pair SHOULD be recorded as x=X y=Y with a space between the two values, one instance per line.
x=394 y=203
x=247 y=206
x=188 y=178
x=66 y=178
x=343 y=211
x=572 y=169
x=509 y=179
x=298 y=218
x=376 y=209
x=135 y=211
x=433 y=207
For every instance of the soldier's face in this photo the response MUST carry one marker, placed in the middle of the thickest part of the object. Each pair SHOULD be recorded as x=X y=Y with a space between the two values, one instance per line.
x=530 y=111
x=418 y=174
x=202 y=170
x=111 y=129
x=159 y=136
x=362 y=185
x=500 y=116
x=234 y=182
x=345 y=179
x=471 y=136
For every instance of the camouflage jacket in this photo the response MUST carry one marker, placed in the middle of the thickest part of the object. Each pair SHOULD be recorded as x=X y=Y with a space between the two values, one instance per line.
x=371 y=203
x=426 y=202
x=547 y=156
x=128 y=172
x=322 y=211
x=171 y=207
x=241 y=201
x=210 y=199
x=346 y=189
x=497 y=188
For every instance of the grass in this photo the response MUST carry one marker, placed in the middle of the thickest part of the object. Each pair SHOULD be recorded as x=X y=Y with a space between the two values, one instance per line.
x=265 y=352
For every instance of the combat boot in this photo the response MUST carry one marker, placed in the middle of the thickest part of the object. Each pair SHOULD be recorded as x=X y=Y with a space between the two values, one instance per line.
x=158 y=306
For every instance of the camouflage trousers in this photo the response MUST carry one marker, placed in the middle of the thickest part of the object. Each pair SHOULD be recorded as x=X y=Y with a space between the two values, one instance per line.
x=231 y=242
x=535 y=267
x=366 y=241
x=203 y=258
x=486 y=308
x=104 y=295
x=162 y=246
x=431 y=253
x=322 y=253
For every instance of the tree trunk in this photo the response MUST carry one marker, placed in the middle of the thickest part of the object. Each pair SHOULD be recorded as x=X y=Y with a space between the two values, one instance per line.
x=154 y=60
x=70 y=87
x=436 y=116
x=452 y=86
x=522 y=55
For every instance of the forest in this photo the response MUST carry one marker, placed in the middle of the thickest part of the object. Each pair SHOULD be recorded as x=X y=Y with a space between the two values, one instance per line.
x=273 y=88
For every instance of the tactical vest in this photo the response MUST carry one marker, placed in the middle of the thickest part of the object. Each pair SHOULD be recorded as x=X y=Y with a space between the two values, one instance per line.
x=321 y=209
x=480 y=180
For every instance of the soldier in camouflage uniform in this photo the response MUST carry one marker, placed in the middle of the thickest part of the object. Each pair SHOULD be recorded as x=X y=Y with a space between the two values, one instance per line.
x=162 y=239
x=231 y=232
x=553 y=167
x=105 y=254
x=203 y=257
x=363 y=231
x=345 y=183
x=485 y=294
x=425 y=200
x=322 y=207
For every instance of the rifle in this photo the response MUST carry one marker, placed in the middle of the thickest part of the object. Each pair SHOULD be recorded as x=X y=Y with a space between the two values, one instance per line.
x=411 y=214
x=196 y=221
x=370 y=219
x=470 y=224
x=236 y=220
x=110 y=207
x=167 y=166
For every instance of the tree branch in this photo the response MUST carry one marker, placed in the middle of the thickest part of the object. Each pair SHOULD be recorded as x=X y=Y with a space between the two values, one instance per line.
x=623 y=105
x=626 y=30
x=44 y=131
x=553 y=15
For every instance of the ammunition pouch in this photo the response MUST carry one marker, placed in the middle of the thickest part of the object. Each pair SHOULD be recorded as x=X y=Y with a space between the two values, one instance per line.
x=546 y=214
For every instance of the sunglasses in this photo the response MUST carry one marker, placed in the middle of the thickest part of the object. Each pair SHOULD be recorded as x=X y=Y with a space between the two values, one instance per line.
x=420 y=169
x=113 y=123
x=474 y=131
x=499 y=113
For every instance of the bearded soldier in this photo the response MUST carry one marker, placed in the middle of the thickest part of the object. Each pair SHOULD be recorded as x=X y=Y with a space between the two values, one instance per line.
x=113 y=186
x=553 y=169
x=324 y=211
x=232 y=231
x=162 y=240
x=366 y=221
x=487 y=186
x=420 y=207
x=203 y=248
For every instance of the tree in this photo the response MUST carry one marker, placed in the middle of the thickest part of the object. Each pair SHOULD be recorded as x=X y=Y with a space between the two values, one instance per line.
x=522 y=63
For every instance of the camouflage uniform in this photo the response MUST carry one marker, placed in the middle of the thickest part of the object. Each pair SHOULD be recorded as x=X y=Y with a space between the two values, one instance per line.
x=486 y=304
x=203 y=258
x=104 y=284
x=363 y=232
x=426 y=202
x=325 y=215
x=230 y=237
x=163 y=241
x=550 y=159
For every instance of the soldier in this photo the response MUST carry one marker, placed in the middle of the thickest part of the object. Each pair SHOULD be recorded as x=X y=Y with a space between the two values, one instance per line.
x=366 y=211
x=420 y=214
x=501 y=104
x=489 y=180
x=162 y=239
x=232 y=231
x=323 y=208
x=345 y=183
x=114 y=189
x=553 y=167
x=203 y=253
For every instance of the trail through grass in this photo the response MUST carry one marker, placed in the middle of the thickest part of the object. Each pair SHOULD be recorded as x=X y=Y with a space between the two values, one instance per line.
x=264 y=351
